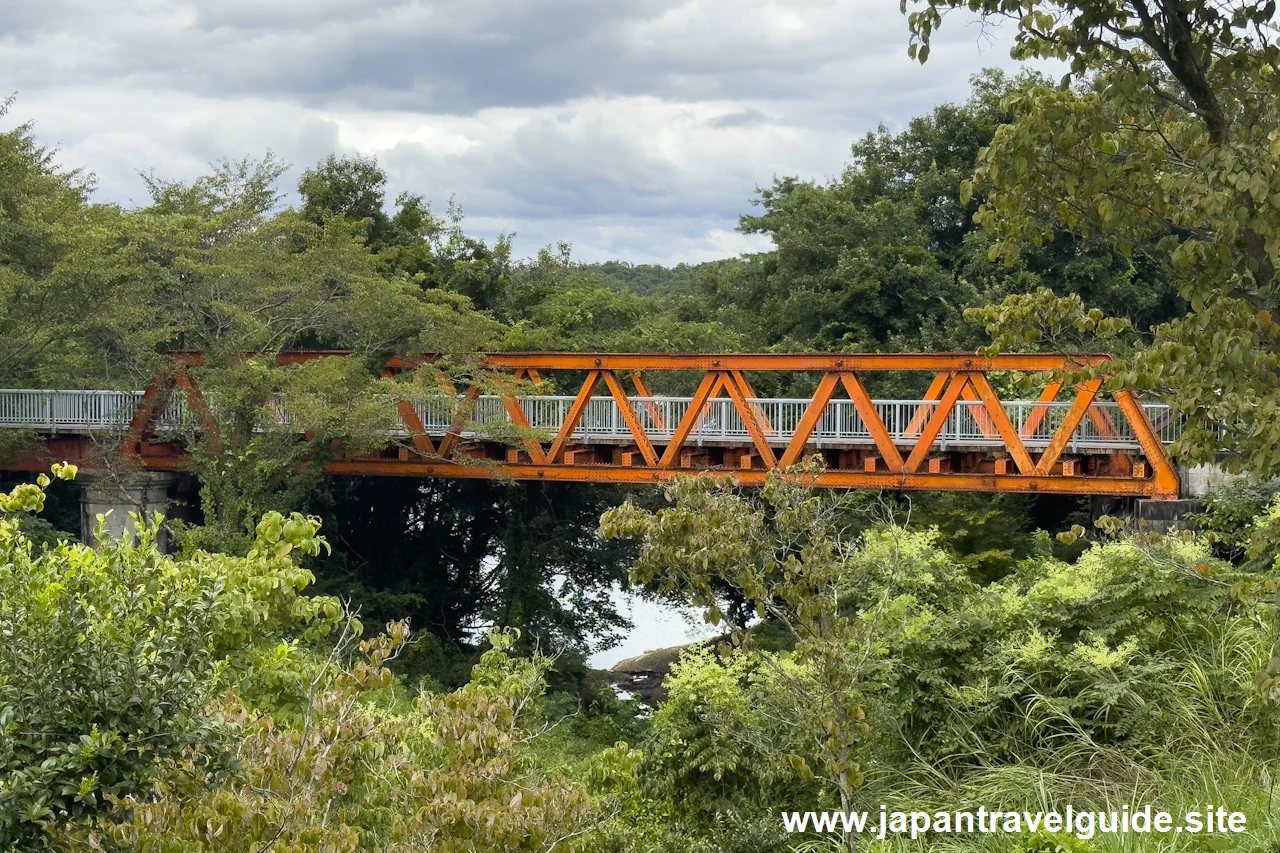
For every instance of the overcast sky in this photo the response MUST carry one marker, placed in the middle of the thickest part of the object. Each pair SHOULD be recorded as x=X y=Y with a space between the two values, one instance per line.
x=633 y=129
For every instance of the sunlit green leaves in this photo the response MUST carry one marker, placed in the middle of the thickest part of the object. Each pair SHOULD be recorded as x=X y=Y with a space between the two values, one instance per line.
x=111 y=656
x=365 y=768
x=779 y=550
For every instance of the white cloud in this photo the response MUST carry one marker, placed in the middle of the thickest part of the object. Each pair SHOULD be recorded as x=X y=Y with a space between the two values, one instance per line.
x=635 y=130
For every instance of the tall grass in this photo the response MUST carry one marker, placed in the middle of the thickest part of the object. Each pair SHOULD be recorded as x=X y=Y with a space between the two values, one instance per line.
x=1220 y=745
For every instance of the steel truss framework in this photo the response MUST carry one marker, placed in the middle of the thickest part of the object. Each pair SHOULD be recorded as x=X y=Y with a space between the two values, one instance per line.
x=654 y=450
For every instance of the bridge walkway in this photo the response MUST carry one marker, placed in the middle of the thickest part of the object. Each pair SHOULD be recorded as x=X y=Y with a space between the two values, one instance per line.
x=719 y=423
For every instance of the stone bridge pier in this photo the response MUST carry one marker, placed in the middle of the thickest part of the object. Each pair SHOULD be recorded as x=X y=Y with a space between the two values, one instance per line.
x=144 y=493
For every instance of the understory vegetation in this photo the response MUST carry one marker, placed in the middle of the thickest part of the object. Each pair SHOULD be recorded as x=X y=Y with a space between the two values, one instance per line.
x=208 y=702
x=302 y=663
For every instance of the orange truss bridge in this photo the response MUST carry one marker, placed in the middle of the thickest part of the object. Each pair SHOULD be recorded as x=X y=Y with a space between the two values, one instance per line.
x=508 y=422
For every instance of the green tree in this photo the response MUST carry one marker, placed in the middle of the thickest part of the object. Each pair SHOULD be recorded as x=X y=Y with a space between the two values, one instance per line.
x=148 y=703
x=887 y=255
x=454 y=554
x=433 y=251
x=1140 y=638
x=353 y=187
x=50 y=238
x=781 y=550
x=721 y=757
x=227 y=276
x=648 y=279
x=1162 y=139
x=849 y=271
x=454 y=773
x=556 y=303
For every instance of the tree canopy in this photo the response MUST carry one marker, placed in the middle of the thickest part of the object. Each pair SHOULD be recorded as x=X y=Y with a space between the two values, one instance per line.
x=1160 y=139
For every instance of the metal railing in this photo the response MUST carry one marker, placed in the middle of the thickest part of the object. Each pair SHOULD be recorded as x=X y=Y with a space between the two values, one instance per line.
x=41 y=409
x=968 y=425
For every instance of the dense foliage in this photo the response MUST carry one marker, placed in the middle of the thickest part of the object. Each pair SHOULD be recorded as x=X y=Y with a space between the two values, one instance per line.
x=113 y=654
x=204 y=702
x=1128 y=675
x=921 y=652
x=152 y=702
x=1160 y=140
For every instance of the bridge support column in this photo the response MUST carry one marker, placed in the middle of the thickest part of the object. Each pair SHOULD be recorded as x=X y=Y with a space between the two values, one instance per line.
x=1163 y=516
x=143 y=493
x=1202 y=479
x=1195 y=482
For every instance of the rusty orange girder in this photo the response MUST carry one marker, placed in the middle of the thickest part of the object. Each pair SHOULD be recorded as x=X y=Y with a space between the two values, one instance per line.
x=909 y=462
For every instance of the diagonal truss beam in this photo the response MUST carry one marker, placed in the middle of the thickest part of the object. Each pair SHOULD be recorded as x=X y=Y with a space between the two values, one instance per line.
x=1166 y=480
x=980 y=417
x=731 y=387
x=1047 y=395
x=749 y=393
x=571 y=420
x=1085 y=396
x=630 y=419
x=809 y=420
x=422 y=442
x=958 y=381
x=655 y=414
x=515 y=411
x=691 y=416
x=1000 y=418
x=200 y=408
x=871 y=420
x=460 y=417
x=145 y=415
x=937 y=420
x=1103 y=423
x=921 y=415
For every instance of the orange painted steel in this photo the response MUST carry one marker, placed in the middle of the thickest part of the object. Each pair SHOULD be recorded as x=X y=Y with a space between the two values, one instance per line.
x=912 y=460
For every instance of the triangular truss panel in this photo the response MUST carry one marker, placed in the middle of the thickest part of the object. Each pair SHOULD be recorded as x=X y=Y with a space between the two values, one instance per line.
x=645 y=417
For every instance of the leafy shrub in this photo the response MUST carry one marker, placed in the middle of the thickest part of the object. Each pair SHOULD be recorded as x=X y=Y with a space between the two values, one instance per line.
x=1112 y=650
x=1229 y=514
x=449 y=773
x=112 y=655
x=716 y=744
x=718 y=761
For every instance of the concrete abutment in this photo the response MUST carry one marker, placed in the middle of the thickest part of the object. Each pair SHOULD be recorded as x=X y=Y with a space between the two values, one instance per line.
x=1194 y=483
x=143 y=493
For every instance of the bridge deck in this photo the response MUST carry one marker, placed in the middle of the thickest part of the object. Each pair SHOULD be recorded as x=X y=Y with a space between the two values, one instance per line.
x=720 y=423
